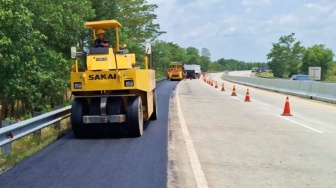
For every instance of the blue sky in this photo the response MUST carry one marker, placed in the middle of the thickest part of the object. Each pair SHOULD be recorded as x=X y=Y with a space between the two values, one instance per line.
x=245 y=29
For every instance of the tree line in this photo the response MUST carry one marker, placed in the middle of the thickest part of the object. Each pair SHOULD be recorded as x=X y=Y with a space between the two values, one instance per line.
x=35 y=41
x=166 y=52
x=36 y=36
x=288 y=57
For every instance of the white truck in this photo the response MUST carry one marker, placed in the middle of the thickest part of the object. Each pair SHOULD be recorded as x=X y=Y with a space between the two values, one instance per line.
x=193 y=71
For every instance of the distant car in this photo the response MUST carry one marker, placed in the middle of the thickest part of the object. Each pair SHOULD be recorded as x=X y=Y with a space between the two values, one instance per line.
x=254 y=69
x=300 y=77
x=263 y=69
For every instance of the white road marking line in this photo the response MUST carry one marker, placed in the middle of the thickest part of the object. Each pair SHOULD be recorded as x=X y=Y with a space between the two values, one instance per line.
x=235 y=98
x=300 y=124
x=195 y=164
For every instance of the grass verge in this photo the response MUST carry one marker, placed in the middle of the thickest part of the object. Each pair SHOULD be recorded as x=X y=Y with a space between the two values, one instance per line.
x=265 y=75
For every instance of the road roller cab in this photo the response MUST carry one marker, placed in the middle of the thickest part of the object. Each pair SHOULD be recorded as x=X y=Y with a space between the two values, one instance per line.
x=175 y=71
x=112 y=95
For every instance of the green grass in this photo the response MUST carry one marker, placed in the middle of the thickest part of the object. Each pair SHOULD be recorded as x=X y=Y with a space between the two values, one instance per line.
x=265 y=75
x=160 y=74
x=31 y=144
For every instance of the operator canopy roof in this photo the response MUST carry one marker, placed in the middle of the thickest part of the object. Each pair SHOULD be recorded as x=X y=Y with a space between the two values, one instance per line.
x=105 y=24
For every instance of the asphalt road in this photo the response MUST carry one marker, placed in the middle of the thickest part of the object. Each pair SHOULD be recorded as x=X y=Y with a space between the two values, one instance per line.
x=125 y=162
x=223 y=141
x=203 y=137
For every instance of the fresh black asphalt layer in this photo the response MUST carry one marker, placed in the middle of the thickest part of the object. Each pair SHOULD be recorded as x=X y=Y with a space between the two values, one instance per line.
x=111 y=162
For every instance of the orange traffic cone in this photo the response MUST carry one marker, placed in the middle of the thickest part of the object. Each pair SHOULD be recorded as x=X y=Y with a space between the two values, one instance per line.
x=234 y=91
x=286 y=111
x=223 y=89
x=216 y=86
x=247 y=98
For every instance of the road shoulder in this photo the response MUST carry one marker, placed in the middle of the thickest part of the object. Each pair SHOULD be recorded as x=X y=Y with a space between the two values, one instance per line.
x=180 y=173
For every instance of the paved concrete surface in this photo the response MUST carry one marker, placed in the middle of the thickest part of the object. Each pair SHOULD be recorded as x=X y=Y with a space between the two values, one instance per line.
x=249 y=144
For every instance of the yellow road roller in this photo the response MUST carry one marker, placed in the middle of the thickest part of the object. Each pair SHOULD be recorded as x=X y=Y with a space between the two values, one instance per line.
x=175 y=71
x=112 y=95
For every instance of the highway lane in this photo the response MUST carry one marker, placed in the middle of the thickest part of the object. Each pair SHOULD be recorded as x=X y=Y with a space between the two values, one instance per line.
x=242 y=73
x=316 y=114
x=249 y=144
x=124 y=162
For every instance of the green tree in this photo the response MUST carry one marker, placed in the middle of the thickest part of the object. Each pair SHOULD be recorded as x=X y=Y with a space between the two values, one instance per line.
x=317 y=56
x=285 y=56
x=331 y=73
x=61 y=22
x=18 y=40
x=205 y=59
x=137 y=20
x=223 y=63
x=164 y=53
x=34 y=52
x=193 y=56
x=215 y=67
x=60 y=33
x=177 y=53
x=232 y=64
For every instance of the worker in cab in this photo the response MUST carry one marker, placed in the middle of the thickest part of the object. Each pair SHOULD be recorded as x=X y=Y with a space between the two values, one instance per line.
x=101 y=41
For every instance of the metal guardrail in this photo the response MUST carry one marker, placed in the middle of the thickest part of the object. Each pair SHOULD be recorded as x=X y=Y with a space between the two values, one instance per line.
x=15 y=131
x=309 y=89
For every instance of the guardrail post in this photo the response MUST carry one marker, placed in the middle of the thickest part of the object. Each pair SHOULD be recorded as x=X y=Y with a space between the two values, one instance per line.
x=7 y=148
x=37 y=134
x=57 y=124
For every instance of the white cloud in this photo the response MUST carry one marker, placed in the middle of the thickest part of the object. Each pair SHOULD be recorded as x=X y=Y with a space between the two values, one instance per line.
x=287 y=19
x=248 y=10
x=332 y=15
x=256 y=2
x=204 y=3
x=245 y=30
x=201 y=34
x=317 y=7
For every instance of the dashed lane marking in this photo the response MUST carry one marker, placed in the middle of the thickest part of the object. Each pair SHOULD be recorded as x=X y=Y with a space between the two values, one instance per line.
x=300 y=124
